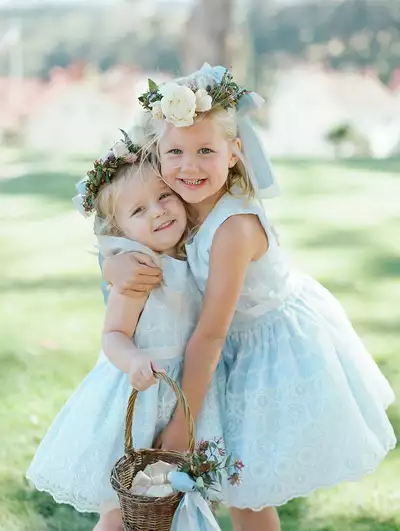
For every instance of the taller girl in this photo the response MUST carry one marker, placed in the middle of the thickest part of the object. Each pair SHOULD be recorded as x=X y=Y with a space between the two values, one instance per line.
x=303 y=402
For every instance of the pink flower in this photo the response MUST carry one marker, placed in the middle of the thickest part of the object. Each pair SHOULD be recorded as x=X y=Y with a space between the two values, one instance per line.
x=131 y=158
x=221 y=452
x=203 y=446
x=234 y=479
x=239 y=465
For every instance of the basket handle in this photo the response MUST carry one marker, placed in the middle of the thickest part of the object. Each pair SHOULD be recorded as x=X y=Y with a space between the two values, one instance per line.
x=181 y=400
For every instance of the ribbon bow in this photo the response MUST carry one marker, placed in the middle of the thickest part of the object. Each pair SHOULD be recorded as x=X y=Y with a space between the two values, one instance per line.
x=193 y=512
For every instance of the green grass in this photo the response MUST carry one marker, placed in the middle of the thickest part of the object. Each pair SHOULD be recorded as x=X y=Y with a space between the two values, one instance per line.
x=340 y=222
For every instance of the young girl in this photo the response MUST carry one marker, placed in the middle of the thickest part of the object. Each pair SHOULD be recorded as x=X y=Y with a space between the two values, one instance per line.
x=136 y=211
x=304 y=402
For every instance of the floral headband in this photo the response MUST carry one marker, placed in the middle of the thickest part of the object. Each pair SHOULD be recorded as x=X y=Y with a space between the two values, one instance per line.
x=179 y=104
x=123 y=152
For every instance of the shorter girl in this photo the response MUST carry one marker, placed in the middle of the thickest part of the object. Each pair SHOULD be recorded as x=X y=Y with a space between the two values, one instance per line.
x=136 y=211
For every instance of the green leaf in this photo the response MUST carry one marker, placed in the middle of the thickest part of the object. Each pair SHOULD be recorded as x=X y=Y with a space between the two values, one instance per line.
x=126 y=137
x=153 y=87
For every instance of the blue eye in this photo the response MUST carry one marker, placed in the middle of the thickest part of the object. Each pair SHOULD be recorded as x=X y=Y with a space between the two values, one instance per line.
x=206 y=151
x=175 y=151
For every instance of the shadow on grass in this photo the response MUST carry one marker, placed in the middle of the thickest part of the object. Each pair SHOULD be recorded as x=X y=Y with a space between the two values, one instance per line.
x=386 y=265
x=56 y=517
x=362 y=523
x=58 y=186
x=341 y=239
x=294 y=517
x=390 y=165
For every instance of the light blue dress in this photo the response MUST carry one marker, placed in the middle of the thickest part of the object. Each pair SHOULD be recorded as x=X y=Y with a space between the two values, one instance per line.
x=304 y=403
x=74 y=460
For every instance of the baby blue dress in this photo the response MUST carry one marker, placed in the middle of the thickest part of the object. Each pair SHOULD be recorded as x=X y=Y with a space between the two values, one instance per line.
x=304 y=403
x=74 y=460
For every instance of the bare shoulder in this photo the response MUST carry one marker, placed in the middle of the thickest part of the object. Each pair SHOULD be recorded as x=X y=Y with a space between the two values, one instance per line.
x=242 y=232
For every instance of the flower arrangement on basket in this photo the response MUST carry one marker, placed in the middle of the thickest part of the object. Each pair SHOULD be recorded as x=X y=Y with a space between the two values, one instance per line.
x=162 y=490
x=207 y=465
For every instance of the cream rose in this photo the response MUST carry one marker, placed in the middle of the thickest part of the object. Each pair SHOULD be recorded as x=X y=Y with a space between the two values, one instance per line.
x=178 y=104
x=119 y=149
x=203 y=101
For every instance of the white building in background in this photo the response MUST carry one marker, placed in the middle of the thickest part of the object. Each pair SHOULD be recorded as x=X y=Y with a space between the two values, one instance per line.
x=305 y=103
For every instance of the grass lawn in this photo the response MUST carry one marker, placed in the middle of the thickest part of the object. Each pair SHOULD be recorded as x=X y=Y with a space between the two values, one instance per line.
x=341 y=223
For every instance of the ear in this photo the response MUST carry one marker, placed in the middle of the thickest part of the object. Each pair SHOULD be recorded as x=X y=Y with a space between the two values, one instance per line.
x=236 y=146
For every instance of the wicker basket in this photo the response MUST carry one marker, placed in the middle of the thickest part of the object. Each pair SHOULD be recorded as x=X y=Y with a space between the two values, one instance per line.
x=142 y=513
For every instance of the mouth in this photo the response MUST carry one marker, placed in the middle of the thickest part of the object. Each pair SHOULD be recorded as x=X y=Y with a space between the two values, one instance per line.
x=193 y=183
x=166 y=225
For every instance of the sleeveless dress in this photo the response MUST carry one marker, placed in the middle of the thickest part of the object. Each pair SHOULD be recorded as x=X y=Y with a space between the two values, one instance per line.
x=74 y=460
x=303 y=402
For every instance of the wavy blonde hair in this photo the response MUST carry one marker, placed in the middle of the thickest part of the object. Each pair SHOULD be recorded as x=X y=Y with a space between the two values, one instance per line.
x=106 y=222
x=238 y=176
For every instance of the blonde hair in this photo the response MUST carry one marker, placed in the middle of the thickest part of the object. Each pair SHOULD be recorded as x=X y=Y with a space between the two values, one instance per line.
x=238 y=175
x=105 y=203
x=106 y=222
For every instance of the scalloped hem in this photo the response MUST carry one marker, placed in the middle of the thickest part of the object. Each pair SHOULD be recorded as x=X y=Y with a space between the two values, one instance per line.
x=353 y=478
x=59 y=499
x=90 y=508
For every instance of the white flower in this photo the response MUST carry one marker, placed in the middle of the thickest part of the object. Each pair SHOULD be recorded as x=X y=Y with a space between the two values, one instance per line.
x=203 y=101
x=156 y=110
x=119 y=149
x=178 y=104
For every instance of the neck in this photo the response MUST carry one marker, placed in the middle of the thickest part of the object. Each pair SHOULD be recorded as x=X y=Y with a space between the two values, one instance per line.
x=201 y=210
x=173 y=253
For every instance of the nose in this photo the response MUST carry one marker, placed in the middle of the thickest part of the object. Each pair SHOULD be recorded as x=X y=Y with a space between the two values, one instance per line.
x=157 y=210
x=188 y=164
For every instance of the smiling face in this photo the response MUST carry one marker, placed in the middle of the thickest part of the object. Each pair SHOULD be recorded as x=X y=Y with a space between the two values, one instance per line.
x=195 y=160
x=149 y=212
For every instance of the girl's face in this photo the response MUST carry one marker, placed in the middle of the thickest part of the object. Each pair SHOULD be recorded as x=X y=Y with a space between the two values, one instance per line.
x=149 y=212
x=195 y=160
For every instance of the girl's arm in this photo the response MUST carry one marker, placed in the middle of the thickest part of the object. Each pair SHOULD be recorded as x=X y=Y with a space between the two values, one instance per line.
x=122 y=316
x=237 y=242
x=132 y=274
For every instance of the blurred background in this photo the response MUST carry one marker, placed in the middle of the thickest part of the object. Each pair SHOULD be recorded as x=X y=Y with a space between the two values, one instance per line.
x=70 y=73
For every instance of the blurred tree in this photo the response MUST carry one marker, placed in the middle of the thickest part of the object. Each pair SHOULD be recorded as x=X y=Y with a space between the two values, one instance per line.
x=207 y=35
x=344 y=138
x=347 y=34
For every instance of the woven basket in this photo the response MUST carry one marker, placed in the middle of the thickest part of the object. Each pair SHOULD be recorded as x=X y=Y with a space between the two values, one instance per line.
x=142 y=513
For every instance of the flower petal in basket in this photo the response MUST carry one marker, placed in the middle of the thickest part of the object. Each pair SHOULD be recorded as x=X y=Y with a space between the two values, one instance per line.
x=158 y=472
x=141 y=480
x=159 y=491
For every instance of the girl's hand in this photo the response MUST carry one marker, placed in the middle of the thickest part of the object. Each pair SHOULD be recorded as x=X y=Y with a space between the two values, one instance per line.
x=131 y=274
x=174 y=437
x=141 y=372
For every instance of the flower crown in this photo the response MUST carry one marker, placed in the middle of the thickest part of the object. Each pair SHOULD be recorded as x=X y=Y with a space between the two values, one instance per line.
x=178 y=104
x=123 y=152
